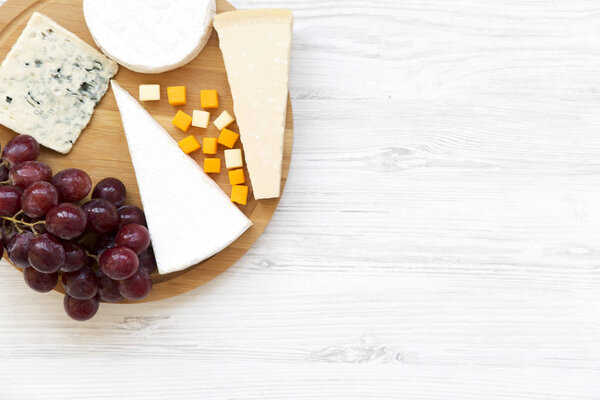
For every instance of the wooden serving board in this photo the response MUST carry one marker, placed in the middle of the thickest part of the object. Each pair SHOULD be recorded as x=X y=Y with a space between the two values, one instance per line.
x=102 y=148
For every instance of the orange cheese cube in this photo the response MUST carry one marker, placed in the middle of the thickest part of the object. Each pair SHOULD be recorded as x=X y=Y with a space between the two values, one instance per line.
x=189 y=144
x=209 y=145
x=176 y=95
x=182 y=121
x=239 y=194
x=209 y=99
x=212 y=165
x=236 y=177
x=228 y=138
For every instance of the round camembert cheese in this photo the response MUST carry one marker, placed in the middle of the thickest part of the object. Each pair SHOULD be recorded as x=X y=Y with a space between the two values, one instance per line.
x=150 y=36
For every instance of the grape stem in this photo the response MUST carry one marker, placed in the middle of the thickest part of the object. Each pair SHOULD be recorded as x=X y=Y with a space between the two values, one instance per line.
x=5 y=182
x=95 y=257
x=18 y=221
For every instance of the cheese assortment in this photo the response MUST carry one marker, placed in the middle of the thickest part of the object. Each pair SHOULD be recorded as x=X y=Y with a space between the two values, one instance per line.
x=256 y=47
x=150 y=36
x=50 y=83
x=202 y=220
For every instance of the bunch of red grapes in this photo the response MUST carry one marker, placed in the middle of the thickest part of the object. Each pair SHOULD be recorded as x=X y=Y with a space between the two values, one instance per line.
x=100 y=249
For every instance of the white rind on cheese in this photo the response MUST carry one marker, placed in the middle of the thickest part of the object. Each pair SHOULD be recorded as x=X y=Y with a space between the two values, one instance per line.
x=256 y=46
x=150 y=36
x=50 y=83
x=189 y=217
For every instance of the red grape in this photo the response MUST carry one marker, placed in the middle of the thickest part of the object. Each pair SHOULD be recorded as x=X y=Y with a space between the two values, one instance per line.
x=28 y=172
x=109 y=290
x=8 y=232
x=1 y=249
x=134 y=236
x=46 y=254
x=81 y=284
x=102 y=216
x=39 y=281
x=10 y=200
x=75 y=256
x=20 y=149
x=131 y=215
x=18 y=249
x=137 y=287
x=103 y=243
x=110 y=189
x=81 y=310
x=3 y=173
x=119 y=263
x=73 y=184
x=66 y=220
x=148 y=261
x=38 y=199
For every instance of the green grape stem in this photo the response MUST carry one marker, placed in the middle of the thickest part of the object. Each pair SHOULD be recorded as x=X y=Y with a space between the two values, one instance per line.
x=18 y=222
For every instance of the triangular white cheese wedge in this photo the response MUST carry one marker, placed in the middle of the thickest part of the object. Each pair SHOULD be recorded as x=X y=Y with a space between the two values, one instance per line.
x=256 y=47
x=189 y=217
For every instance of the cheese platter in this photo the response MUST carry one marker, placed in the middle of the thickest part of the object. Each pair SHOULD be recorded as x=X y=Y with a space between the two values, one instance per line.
x=163 y=139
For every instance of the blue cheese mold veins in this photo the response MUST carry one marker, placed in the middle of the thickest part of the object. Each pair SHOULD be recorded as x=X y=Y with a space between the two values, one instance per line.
x=50 y=84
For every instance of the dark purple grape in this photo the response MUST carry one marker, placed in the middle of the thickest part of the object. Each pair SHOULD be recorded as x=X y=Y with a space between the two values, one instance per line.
x=109 y=290
x=46 y=253
x=148 y=261
x=8 y=232
x=102 y=216
x=10 y=200
x=28 y=172
x=18 y=249
x=3 y=173
x=20 y=149
x=110 y=189
x=137 y=287
x=81 y=284
x=39 y=281
x=75 y=257
x=119 y=263
x=131 y=215
x=38 y=199
x=134 y=236
x=81 y=310
x=104 y=242
x=73 y=185
x=66 y=220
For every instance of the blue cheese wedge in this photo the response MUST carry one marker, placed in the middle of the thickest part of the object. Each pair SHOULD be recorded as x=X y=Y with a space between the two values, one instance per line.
x=50 y=83
x=189 y=217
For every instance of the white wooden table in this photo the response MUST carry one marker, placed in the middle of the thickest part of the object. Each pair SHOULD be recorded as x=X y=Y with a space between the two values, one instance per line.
x=439 y=236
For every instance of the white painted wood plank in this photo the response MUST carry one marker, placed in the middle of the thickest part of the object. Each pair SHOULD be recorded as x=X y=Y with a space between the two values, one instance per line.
x=437 y=238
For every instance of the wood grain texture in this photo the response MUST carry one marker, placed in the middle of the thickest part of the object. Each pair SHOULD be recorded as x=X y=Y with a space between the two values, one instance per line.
x=102 y=148
x=437 y=239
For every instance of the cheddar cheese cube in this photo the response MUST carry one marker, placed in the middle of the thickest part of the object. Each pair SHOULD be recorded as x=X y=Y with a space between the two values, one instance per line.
x=182 y=121
x=209 y=145
x=209 y=99
x=236 y=177
x=149 y=92
x=189 y=144
x=176 y=95
x=200 y=118
x=233 y=159
x=212 y=165
x=228 y=138
x=224 y=120
x=239 y=194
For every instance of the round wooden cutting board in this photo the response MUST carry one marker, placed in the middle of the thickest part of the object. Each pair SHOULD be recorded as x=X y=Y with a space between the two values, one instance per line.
x=102 y=151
